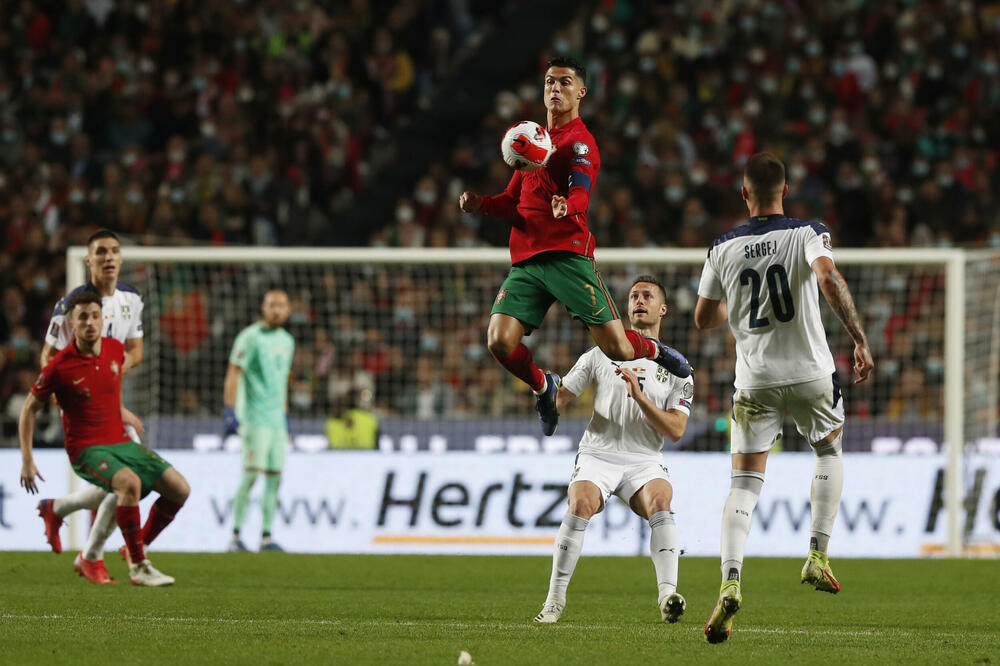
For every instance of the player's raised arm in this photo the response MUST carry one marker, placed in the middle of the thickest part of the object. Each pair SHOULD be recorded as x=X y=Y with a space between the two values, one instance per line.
x=503 y=205
x=837 y=294
x=26 y=434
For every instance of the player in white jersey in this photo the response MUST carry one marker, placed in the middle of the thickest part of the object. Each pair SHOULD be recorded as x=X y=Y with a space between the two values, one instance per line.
x=122 y=308
x=763 y=276
x=636 y=404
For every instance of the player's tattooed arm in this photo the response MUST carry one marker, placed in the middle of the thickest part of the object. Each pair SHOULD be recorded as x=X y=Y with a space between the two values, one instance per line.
x=839 y=297
x=837 y=294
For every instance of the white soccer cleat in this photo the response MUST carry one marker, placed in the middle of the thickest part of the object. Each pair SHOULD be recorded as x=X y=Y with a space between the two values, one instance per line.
x=551 y=612
x=145 y=574
x=672 y=607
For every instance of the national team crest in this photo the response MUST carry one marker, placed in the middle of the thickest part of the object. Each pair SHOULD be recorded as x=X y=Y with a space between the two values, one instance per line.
x=661 y=374
x=501 y=296
x=114 y=367
x=103 y=466
x=126 y=312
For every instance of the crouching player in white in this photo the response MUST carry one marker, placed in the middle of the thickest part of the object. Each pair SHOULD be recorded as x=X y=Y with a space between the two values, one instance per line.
x=636 y=404
x=766 y=273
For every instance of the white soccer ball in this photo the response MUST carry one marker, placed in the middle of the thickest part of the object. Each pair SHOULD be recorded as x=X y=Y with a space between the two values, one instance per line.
x=526 y=146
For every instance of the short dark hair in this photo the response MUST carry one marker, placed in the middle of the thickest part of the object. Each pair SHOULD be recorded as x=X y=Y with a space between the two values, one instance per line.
x=569 y=63
x=766 y=175
x=102 y=233
x=83 y=297
x=651 y=280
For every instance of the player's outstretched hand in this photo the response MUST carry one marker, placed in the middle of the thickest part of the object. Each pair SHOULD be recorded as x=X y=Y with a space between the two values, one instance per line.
x=863 y=363
x=631 y=381
x=559 y=207
x=28 y=474
x=470 y=202
x=229 y=421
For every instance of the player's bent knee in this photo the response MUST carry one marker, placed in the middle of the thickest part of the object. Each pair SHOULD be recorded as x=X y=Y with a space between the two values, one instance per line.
x=126 y=485
x=583 y=507
x=499 y=347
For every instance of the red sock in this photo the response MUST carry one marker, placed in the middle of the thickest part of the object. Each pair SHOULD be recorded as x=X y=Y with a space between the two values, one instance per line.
x=128 y=522
x=520 y=364
x=160 y=516
x=642 y=347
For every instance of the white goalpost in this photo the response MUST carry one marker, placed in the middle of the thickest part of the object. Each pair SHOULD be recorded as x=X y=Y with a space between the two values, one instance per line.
x=933 y=316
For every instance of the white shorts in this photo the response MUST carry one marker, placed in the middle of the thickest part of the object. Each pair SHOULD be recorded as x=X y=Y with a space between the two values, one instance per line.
x=758 y=414
x=620 y=475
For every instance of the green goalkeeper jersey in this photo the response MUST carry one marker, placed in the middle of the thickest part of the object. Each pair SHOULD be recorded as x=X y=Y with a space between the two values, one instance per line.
x=265 y=356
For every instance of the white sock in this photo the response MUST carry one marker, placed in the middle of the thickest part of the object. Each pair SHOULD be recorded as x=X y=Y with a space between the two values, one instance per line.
x=824 y=496
x=743 y=494
x=88 y=497
x=104 y=524
x=569 y=543
x=664 y=551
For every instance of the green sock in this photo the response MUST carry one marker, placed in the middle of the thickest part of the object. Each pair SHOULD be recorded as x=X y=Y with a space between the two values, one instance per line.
x=269 y=500
x=242 y=499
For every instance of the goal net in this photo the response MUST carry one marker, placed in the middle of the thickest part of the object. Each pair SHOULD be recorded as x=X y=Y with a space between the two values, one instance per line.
x=399 y=335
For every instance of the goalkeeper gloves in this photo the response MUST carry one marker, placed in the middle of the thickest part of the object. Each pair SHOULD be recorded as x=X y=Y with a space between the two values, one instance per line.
x=229 y=421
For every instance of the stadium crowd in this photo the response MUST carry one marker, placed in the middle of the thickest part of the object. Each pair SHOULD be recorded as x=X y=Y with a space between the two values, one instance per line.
x=259 y=122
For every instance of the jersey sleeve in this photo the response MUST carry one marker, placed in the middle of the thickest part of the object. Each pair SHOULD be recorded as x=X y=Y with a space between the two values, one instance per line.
x=135 y=330
x=682 y=396
x=58 y=333
x=581 y=375
x=583 y=168
x=710 y=286
x=818 y=243
x=47 y=382
x=505 y=204
x=242 y=350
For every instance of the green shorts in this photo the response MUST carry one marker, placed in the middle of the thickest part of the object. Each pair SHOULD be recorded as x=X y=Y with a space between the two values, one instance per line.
x=572 y=279
x=99 y=464
x=263 y=447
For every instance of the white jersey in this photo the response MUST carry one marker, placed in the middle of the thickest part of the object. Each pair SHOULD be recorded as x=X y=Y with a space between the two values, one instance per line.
x=763 y=270
x=122 y=316
x=618 y=424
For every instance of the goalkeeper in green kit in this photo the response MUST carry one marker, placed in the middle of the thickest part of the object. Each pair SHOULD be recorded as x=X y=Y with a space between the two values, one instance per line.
x=256 y=407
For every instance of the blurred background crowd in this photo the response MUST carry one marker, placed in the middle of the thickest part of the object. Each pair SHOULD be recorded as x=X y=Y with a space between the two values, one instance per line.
x=269 y=122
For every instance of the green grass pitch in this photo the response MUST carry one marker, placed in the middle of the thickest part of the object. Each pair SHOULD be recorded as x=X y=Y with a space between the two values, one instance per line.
x=278 y=608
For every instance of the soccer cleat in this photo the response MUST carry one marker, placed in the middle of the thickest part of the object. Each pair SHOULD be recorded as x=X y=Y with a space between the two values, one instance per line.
x=672 y=607
x=145 y=574
x=272 y=547
x=671 y=359
x=720 y=623
x=52 y=524
x=816 y=571
x=95 y=571
x=237 y=546
x=545 y=404
x=551 y=612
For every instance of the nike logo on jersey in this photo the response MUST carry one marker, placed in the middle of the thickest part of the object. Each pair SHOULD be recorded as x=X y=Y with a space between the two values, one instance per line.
x=597 y=312
x=77 y=381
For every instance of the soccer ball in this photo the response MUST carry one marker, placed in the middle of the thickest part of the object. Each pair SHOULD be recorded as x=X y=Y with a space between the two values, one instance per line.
x=526 y=146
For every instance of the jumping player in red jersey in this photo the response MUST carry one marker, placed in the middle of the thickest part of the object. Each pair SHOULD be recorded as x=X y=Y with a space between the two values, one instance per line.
x=86 y=378
x=552 y=250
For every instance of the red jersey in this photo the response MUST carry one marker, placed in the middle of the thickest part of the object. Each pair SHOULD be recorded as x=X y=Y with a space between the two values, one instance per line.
x=88 y=388
x=571 y=172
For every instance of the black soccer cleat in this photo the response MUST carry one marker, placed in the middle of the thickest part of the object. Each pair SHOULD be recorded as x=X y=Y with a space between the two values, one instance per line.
x=545 y=404
x=672 y=360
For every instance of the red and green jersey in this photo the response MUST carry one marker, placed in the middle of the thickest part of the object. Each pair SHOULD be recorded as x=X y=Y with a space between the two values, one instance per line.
x=571 y=172
x=88 y=389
